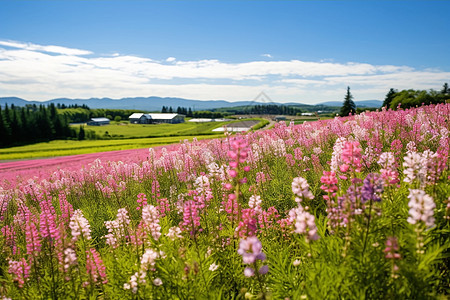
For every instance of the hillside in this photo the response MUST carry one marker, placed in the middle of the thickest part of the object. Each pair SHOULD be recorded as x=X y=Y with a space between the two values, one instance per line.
x=155 y=103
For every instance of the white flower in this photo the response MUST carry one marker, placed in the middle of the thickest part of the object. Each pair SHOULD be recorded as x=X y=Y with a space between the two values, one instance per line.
x=213 y=267
x=150 y=216
x=300 y=187
x=296 y=262
x=157 y=281
x=255 y=203
x=79 y=225
x=421 y=208
x=70 y=258
x=174 y=233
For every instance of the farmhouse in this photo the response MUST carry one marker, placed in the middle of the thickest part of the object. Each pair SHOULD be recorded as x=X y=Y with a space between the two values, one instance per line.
x=98 y=121
x=140 y=118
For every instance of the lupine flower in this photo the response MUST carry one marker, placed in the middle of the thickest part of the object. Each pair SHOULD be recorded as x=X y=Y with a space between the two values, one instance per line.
x=329 y=185
x=372 y=188
x=32 y=238
x=391 y=253
x=5 y=198
x=117 y=228
x=174 y=233
x=10 y=238
x=336 y=155
x=142 y=200
x=304 y=223
x=48 y=227
x=351 y=156
x=20 y=271
x=414 y=167
x=191 y=219
x=300 y=187
x=163 y=207
x=150 y=217
x=392 y=248
x=396 y=147
x=238 y=155
x=132 y=284
x=79 y=226
x=148 y=262
x=247 y=225
x=70 y=258
x=388 y=169
x=255 y=203
x=250 y=249
x=66 y=209
x=95 y=267
x=421 y=208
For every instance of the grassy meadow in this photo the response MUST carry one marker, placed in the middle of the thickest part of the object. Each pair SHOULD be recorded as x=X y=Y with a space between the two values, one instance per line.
x=70 y=147
x=126 y=130
x=120 y=137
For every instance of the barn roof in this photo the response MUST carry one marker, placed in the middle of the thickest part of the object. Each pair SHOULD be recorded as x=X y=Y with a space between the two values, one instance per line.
x=163 y=116
x=100 y=119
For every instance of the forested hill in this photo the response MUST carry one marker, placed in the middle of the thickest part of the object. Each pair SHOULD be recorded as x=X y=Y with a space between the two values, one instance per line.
x=155 y=103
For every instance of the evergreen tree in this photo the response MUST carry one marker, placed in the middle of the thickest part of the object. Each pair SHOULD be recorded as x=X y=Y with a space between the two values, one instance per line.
x=348 y=106
x=164 y=110
x=7 y=115
x=445 y=89
x=4 y=131
x=81 y=134
x=15 y=126
x=189 y=114
x=25 y=125
x=389 y=97
x=170 y=109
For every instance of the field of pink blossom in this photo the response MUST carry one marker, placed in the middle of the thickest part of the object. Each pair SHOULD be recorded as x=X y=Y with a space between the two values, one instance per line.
x=352 y=208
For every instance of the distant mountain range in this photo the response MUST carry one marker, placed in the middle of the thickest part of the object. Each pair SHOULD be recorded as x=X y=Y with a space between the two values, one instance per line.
x=156 y=103
x=362 y=103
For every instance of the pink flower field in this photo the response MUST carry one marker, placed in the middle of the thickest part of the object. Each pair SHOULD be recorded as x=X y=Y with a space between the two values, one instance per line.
x=354 y=207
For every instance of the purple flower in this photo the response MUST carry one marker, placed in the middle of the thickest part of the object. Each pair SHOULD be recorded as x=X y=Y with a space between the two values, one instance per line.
x=263 y=270
x=250 y=249
x=372 y=188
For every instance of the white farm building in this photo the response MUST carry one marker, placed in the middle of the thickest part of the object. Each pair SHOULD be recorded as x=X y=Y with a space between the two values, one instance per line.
x=98 y=121
x=140 y=118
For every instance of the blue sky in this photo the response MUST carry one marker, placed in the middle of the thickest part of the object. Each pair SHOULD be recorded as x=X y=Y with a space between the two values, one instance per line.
x=294 y=51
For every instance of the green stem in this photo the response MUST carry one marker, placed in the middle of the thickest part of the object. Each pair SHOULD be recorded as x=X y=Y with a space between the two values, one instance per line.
x=367 y=229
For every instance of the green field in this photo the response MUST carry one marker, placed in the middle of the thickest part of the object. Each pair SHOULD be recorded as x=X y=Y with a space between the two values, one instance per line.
x=68 y=147
x=125 y=130
x=120 y=137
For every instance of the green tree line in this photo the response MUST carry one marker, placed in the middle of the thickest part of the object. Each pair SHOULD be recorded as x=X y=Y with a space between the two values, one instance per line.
x=82 y=114
x=271 y=109
x=32 y=123
x=412 y=98
x=192 y=114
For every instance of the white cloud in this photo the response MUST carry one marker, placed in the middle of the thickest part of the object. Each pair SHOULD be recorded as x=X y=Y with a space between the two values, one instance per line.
x=38 y=72
x=50 y=49
x=267 y=55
